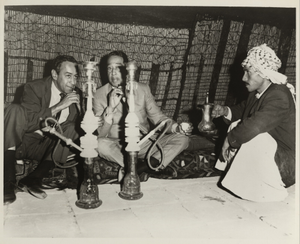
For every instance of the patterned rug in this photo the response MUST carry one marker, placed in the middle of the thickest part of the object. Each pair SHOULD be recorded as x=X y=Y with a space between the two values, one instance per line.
x=195 y=163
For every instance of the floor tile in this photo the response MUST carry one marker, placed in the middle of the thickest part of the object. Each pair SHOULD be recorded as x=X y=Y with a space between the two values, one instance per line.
x=42 y=225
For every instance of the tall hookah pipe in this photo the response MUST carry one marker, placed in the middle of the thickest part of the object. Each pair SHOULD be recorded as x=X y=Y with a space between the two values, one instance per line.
x=131 y=184
x=88 y=195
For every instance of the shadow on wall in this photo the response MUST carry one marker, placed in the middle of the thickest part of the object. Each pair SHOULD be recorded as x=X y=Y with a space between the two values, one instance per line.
x=103 y=70
x=237 y=92
x=236 y=88
x=47 y=68
x=20 y=89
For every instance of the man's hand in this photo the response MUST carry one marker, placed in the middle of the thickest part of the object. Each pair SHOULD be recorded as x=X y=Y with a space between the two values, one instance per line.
x=127 y=90
x=100 y=121
x=185 y=128
x=115 y=97
x=227 y=151
x=69 y=99
x=218 y=111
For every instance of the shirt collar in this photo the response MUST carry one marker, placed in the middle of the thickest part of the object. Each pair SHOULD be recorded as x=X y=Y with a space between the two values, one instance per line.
x=258 y=95
x=54 y=90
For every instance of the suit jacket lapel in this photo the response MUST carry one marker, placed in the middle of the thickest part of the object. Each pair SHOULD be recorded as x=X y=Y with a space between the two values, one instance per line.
x=47 y=96
x=72 y=112
x=252 y=105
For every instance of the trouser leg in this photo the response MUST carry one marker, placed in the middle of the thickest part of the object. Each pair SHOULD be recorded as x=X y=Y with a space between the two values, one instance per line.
x=111 y=150
x=15 y=125
x=9 y=170
x=9 y=177
x=36 y=147
x=62 y=151
x=172 y=145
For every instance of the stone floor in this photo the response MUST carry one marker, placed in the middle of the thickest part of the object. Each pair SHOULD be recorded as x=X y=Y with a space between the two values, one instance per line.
x=189 y=210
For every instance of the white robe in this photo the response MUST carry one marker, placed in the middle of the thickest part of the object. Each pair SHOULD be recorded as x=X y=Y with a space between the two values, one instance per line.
x=253 y=173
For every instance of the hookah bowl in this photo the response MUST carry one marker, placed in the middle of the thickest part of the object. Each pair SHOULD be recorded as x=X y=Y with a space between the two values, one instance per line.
x=88 y=196
x=131 y=189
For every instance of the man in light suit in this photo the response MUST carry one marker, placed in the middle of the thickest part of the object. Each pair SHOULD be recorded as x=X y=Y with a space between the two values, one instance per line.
x=109 y=103
x=262 y=144
x=23 y=137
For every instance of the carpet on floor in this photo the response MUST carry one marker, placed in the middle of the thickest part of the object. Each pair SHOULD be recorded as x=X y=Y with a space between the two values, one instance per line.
x=196 y=162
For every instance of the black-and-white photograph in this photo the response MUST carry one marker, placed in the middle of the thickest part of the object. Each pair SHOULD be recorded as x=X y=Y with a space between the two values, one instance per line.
x=150 y=123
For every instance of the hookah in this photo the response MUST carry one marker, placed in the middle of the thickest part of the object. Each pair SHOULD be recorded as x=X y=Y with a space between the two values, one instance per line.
x=88 y=190
x=131 y=184
x=131 y=189
x=206 y=125
x=89 y=195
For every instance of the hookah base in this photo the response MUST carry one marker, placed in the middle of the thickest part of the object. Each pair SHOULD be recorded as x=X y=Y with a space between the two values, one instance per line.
x=88 y=205
x=127 y=196
x=88 y=196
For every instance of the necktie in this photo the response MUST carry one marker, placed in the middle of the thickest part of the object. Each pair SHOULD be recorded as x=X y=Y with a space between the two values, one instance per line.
x=57 y=116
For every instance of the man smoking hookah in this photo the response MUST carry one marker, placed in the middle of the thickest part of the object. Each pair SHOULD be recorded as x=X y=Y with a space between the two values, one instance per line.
x=110 y=103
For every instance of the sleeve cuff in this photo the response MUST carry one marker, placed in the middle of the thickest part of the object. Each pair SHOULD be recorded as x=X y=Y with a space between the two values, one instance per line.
x=229 y=115
x=173 y=129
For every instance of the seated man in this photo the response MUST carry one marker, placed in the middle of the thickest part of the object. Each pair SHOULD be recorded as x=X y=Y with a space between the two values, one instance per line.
x=53 y=96
x=264 y=137
x=109 y=103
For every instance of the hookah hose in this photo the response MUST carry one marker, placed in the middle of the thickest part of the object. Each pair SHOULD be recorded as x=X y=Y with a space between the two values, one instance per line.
x=166 y=124
x=57 y=125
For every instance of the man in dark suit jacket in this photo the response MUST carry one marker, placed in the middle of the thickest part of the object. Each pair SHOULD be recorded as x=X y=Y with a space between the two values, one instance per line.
x=264 y=137
x=109 y=103
x=49 y=97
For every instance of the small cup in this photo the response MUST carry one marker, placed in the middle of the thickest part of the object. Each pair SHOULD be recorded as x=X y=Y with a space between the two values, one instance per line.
x=184 y=127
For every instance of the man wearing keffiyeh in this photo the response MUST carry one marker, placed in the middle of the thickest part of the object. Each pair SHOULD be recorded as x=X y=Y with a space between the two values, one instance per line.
x=260 y=145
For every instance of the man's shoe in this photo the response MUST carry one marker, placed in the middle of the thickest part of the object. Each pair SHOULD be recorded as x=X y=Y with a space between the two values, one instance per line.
x=33 y=189
x=170 y=171
x=49 y=185
x=143 y=177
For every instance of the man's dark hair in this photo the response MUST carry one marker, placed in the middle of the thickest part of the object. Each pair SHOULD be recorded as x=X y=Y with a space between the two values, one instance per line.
x=120 y=54
x=63 y=58
x=125 y=60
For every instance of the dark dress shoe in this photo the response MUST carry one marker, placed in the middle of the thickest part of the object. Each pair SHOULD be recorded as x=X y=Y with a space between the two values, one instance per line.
x=48 y=186
x=143 y=177
x=33 y=189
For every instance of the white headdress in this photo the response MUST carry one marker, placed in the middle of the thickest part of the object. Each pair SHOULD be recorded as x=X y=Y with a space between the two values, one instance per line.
x=263 y=60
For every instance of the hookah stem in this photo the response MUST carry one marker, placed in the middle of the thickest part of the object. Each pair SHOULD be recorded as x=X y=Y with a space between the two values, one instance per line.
x=131 y=100
x=132 y=155
x=207 y=98
x=66 y=140
x=89 y=98
x=52 y=130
